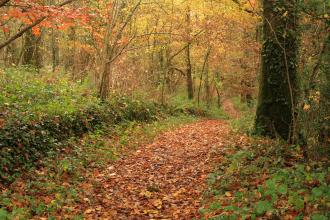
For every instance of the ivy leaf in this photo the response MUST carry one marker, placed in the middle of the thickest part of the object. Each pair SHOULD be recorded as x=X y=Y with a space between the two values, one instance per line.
x=3 y=214
x=297 y=201
x=318 y=217
x=262 y=207
x=317 y=192
x=282 y=189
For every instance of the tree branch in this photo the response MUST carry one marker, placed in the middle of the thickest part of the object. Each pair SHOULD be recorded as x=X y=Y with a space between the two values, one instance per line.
x=28 y=27
x=128 y=19
x=3 y=2
x=182 y=49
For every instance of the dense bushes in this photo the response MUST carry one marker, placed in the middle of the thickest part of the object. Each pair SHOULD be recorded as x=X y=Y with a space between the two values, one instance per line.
x=23 y=142
x=39 y=114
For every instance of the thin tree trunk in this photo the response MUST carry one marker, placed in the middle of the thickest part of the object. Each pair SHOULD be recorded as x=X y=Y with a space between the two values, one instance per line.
x=218 y=96
x=203 y=69
x=190 y=88
x=207 y=86
x=55 y=51
x=31 y=54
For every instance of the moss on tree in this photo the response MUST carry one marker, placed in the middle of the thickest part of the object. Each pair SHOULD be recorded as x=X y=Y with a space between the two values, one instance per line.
x=278 y=79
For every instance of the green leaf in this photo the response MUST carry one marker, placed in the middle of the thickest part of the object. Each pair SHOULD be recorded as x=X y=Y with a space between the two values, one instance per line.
x=262 y=207
x=297 y=201
x=318 y=217
x=270 y=184
x=282 y=189
x=317 y=192
x=3 y=214
x=215 y=206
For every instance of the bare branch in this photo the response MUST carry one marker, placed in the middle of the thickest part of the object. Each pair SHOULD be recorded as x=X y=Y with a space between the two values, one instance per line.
x=128 y=19
x=182 y=49
x=121 y=50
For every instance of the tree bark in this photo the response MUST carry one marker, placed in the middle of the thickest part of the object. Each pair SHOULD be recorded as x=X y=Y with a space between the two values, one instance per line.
x=111 y=50
x=190 y=88
x=55 y=51
x=217 y=84
x=203 y=70
x=31 y=53
x=276 y=105
x=325 y=96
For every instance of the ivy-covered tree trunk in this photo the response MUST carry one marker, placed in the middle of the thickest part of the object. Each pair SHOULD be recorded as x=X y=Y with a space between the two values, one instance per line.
x=325 y=95
x=276 y=104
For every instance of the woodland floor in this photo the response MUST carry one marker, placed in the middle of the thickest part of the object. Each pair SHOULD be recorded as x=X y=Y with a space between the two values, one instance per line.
x=198 y=170
x=162 y=180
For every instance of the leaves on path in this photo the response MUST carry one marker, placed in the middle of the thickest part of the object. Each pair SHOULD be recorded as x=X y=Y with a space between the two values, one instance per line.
x=163 y=180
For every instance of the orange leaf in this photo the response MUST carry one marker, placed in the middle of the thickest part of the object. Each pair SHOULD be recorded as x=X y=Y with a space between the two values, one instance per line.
x=5 y=30
x=36 y=31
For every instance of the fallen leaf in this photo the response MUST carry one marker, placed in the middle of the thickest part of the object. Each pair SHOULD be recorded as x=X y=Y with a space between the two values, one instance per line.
x=228 y=194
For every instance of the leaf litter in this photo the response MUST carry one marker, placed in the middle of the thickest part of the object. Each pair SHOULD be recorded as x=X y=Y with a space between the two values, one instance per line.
x=163 y=180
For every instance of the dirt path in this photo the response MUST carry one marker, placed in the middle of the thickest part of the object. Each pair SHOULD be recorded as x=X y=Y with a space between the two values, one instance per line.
x=163 y=180
x=229 y=107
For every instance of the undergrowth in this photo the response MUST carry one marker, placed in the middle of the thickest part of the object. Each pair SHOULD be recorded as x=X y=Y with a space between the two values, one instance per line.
x=40 y=112
x=265 y=179
x=268 y=180
x=55 y=134
x=244 y=123
x=181 y=103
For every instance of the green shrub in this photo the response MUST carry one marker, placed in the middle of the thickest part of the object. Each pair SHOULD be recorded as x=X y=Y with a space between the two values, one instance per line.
x=181 y=104
x=244 y=123
x=38 y=116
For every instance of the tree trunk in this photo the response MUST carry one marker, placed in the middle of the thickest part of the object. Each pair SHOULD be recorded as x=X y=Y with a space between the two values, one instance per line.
x=190 y=88
x=217 y=84
x=325 y=96
x=276 y=104
x=31 y=53
x=106 y=65
x=189 y=79
x=55 y=51
x=105 y=82
x=207 y=86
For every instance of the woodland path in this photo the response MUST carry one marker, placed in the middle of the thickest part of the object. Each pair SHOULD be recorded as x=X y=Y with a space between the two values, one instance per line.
x=229 y=108
x=162 y=180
